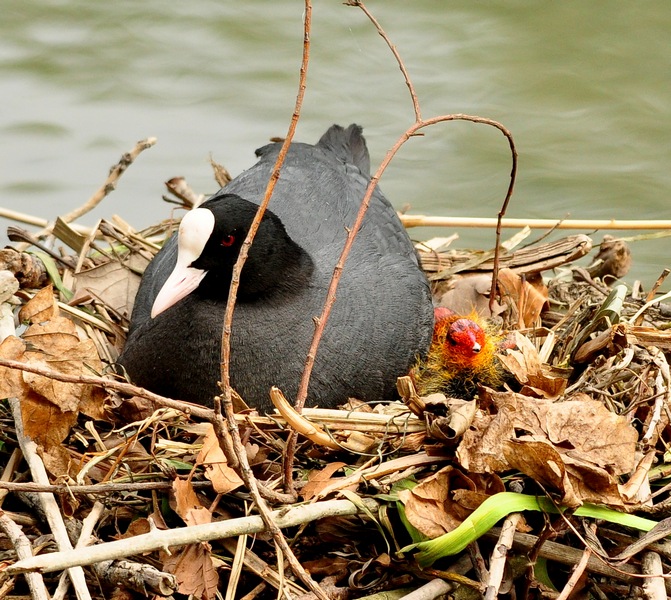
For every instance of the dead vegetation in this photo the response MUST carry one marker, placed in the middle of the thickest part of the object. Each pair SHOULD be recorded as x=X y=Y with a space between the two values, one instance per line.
x=107 y=487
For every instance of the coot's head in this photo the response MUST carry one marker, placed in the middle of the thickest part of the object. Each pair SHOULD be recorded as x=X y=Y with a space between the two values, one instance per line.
x=208 y=244
x=465 y=336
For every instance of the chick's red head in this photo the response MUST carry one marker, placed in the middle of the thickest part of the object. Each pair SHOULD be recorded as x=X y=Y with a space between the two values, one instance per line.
x=465 y=338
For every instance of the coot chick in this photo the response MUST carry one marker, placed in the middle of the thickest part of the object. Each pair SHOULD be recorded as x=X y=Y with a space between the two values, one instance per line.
x=382 y=319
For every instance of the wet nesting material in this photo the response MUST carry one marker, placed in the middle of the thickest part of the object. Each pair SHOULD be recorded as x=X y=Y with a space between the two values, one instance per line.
x=578 y=413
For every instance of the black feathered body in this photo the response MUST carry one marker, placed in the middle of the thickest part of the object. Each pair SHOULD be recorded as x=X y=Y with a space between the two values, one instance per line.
x=381 y=321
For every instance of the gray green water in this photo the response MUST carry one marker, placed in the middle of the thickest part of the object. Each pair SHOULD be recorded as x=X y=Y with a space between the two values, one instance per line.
x=585 y=88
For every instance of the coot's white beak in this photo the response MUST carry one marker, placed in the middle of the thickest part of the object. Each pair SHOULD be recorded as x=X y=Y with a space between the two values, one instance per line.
x=194 y=231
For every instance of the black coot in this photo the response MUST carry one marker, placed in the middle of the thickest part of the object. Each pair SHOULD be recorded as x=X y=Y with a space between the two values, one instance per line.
x=381 y=321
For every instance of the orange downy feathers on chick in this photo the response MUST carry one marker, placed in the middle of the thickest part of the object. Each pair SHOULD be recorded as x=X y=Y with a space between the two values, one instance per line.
x=462 y=356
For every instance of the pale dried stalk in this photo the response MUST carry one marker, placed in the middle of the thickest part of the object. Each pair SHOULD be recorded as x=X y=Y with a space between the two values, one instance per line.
x=497 y=563
x=488 y=222
x=51 y=509
x=181 y=536
x=14 y=215
x=653 y=586
x=110 y=183
x=436 y=588
x=88 y=525
x=23 y=549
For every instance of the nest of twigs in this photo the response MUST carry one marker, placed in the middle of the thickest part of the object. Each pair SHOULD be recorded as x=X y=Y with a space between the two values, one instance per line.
x=141 y=487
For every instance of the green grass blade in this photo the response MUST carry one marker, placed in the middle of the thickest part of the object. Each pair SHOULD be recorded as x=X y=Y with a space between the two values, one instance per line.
x=499 y=506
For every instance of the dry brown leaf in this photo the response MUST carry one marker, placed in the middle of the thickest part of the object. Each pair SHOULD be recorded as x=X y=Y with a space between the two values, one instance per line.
x=11 y=380
x=137 y=527
x=44 y=422
x=192 y=566
x=540 y=461
x=53 y=344
x=525 y=365
x=528 y=295
x=58 y=462
x=318 y=480
x=430 y=505
x=41 y=307
x=577 y=447
x=53 y=337
x=584 y=430
x=596 y=484
x=324 y=566
x=187 y=504
x=447 y=419
x=49 y=407
x=212 y=457
x=48 y=426
x=113 y=283
x=68 y=356
x=470 y=293
x=63 y=394
x=480 y=449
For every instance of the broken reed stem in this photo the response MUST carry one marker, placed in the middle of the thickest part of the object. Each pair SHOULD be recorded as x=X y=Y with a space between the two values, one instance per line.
x=49 y=504
x=410 y=221
x=497 y=561
x=181 y=536
x=108 y=186
x=244 y=468
x=24 y=550
x=14 y=215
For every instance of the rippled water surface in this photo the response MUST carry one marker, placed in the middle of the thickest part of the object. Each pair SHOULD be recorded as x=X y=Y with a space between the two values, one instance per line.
x=585 y=89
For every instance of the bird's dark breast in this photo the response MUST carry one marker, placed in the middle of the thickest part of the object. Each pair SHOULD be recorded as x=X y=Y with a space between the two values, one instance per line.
x=269 y=346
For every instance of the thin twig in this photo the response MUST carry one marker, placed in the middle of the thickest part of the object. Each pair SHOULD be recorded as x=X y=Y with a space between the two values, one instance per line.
x=419 y=120
x=226 y=400
x=578 y=572
x=109 y=185
x=353 y=230
x=406 y=76
x=111 y=384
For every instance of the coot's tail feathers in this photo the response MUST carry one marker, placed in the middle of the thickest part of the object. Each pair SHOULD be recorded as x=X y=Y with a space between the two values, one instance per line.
x=348 y=145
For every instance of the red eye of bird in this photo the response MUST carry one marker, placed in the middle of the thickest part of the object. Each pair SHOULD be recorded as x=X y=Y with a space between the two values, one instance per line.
x=228 y=241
